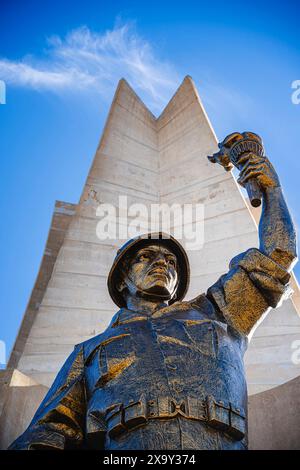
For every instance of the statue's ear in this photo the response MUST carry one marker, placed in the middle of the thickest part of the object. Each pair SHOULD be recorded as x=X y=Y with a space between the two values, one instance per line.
x=121 y=285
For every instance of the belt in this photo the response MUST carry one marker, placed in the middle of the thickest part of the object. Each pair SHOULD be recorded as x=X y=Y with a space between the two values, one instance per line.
x=217 y=414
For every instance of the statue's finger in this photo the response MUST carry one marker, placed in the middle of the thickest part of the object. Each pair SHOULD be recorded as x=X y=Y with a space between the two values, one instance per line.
x=251 y=174
x=250 y=163
x=249 y=157
x=253 y=167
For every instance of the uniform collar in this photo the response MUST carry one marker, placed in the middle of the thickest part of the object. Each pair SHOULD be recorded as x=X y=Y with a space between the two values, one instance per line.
x=126 y=315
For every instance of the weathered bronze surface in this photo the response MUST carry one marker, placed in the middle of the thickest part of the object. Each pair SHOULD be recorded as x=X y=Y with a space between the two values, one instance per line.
x=231 y=150
x=168 y=373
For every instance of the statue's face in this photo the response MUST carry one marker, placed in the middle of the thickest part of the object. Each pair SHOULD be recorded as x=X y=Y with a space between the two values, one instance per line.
x=152 y=270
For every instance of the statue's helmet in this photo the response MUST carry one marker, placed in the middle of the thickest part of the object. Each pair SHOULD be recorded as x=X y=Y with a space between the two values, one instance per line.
x=131 y=246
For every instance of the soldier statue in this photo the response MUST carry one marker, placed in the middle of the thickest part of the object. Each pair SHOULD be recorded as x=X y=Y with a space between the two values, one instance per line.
x=169 y=373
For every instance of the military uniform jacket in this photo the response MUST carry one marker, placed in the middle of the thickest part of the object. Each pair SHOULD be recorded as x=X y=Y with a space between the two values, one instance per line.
x=172 y=380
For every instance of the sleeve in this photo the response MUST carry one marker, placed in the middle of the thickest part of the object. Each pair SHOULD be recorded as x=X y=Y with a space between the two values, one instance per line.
x=253 y=284
x=59 y=420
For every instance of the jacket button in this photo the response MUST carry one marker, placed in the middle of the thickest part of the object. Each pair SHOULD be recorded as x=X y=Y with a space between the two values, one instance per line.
x=177 y=387
x=158 y=327
x=171 y=366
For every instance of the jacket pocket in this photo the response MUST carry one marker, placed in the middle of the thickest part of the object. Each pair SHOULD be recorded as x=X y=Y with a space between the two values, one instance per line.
x=202 y=335
x=115 y=355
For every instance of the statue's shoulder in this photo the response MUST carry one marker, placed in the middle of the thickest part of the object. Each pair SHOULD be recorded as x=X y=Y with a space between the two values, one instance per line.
x=92 y=344
x=202 y=303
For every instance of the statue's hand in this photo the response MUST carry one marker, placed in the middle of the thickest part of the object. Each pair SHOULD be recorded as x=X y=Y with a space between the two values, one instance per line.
x=259 y=169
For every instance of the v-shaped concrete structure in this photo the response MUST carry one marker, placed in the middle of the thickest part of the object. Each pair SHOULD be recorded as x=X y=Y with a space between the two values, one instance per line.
x=151 y=161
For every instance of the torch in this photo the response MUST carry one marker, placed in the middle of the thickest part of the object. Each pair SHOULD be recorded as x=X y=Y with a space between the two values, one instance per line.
x=233 y=147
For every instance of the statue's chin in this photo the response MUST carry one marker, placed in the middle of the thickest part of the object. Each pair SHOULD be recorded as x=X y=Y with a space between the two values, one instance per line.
x=156 y=292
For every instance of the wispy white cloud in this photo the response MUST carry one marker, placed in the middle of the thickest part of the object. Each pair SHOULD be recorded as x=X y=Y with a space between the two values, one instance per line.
x=93 y=62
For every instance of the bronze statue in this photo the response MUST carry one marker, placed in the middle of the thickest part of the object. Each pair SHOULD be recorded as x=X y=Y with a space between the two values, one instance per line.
x=168 y=373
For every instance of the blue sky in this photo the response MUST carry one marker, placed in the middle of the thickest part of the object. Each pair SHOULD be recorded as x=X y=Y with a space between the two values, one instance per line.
x=61 y=62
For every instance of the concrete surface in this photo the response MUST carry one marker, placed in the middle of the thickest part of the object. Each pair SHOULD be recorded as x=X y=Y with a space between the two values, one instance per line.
x=274 y=418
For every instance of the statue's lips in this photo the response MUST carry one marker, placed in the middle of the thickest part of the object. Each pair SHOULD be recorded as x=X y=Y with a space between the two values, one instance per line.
x=162 y=272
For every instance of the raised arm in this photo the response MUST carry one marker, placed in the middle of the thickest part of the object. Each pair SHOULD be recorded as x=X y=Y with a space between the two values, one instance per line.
x=258 y=278
x=277 y=233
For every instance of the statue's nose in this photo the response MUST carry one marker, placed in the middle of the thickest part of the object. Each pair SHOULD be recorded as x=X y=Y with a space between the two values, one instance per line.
x=161 y=260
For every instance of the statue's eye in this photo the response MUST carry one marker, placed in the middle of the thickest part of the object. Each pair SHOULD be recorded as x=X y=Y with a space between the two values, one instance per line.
x=144 y=257
x=172 y=262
